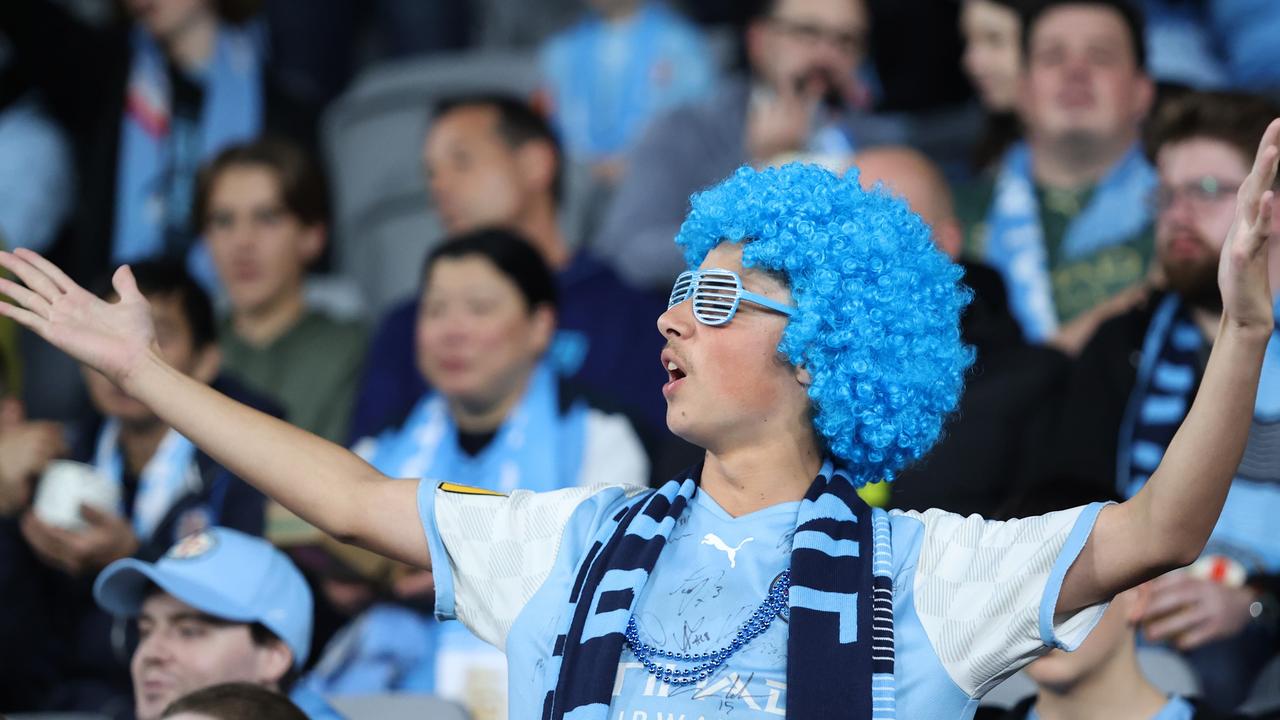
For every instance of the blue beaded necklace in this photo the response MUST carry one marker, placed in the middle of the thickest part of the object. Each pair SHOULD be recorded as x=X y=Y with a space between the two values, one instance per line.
x=702 y=665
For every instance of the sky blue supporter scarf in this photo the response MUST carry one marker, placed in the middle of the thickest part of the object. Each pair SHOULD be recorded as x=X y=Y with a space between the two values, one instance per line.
x=536 y=448
x=840 y=636
x=168 y=476
x=608 y=110
x=1117 y=210
x=1167 y=380
x=160 y=154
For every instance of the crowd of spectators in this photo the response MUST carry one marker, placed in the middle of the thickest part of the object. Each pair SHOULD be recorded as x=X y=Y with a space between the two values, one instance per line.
x=1078 y=158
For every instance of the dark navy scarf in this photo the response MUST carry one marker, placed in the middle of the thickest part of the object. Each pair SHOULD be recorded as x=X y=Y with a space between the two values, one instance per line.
x=1167 y=380
x=840 y=649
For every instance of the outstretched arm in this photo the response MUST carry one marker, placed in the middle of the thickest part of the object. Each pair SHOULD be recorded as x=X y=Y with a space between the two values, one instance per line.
x=323 y=483
x=1168 y=522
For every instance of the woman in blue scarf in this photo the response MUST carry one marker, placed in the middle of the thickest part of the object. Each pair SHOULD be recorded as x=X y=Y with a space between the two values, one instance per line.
x=812 y=347
x=497 y=419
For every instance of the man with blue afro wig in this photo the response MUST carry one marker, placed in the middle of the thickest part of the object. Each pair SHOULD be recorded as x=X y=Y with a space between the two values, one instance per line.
x=877 y=305
x=811 y=347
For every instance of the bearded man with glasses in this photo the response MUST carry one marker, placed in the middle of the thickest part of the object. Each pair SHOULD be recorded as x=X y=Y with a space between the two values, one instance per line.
x=1134 y=384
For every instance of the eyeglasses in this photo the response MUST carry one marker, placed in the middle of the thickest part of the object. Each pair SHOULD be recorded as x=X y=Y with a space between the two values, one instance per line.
x=716 y=295
x=849 y=42
x=1202 y=193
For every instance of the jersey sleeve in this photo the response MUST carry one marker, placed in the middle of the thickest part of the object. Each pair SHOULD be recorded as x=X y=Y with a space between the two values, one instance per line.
x=490 y=552
x=986 y=591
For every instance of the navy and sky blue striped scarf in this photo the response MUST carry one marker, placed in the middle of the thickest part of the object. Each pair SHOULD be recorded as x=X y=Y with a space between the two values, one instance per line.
x=840 y=642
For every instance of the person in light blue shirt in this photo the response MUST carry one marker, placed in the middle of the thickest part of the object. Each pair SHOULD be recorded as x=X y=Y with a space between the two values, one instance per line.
x=627 y=61
x=812 y=348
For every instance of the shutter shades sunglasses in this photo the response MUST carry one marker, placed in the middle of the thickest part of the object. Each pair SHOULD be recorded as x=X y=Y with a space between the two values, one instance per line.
x=716 y=294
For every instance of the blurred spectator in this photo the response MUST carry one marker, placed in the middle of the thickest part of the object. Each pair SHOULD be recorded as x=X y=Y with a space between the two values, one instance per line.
x=220 y=606
x=147 y=103
x=1181 y=46
x=979 y=459
x=614 y=70
x=1102 y=677
x=799 y=100
x=37 y=182
x=498 y=420
x=1134 y=382
x=993 y=61
x=493 y=161
x=262 y=208
x=168 y=489
x=1065 y=219
x=233 y=701
x=1215 y=45
x=1246 y=30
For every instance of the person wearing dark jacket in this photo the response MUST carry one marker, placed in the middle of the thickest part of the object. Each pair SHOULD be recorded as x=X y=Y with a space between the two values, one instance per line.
x=168 y=488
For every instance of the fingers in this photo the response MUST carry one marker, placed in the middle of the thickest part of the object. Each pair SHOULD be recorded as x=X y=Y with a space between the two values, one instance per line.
x=53 y=272
x=1168 y=601
x=125 y=283
x=1197 y=636
x=1262 y=164
x=1171 y=626
x=93 y=515
x=25 y=297
x=48 y=544
x=25 y=318
x=30 y=275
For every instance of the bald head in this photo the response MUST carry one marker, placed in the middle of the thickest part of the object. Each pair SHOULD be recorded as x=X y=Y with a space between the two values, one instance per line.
x=910 y=175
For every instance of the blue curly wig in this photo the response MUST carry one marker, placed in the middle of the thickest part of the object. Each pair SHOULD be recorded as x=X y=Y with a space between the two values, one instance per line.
x=877 y=324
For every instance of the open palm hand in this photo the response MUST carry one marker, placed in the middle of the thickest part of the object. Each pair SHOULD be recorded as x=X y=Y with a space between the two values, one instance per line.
x=110 y=337
x=1242 y=271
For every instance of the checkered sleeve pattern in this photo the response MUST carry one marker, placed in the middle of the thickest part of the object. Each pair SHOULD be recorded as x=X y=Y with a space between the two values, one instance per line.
x=985 y=590
x=501 y=548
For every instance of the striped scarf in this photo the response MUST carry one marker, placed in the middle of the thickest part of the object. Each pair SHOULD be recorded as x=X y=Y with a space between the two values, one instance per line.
x=840 y=649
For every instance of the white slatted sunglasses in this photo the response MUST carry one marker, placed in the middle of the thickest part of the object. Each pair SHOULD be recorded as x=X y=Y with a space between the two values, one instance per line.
x=716 y=295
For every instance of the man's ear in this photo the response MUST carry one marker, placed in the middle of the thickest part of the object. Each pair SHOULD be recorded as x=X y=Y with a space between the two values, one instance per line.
x=536 y=160
x=803 y=377
x=544 y=327
x=312 y=244
x=274 y=661
x=208 y=363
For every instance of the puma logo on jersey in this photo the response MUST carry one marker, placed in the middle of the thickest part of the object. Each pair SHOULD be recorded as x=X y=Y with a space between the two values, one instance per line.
x=714 y=541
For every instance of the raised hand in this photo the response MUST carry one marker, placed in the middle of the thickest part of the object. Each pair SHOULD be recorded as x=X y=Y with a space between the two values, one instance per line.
x=1242 y=271
x=114 y=338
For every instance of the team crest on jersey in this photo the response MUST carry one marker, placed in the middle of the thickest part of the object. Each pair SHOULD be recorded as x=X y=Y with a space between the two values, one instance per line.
x=457 y=489
x=193 y=546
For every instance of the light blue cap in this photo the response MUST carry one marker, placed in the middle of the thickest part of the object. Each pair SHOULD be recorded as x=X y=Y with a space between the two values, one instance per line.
x=222 y=572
